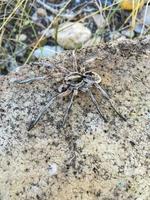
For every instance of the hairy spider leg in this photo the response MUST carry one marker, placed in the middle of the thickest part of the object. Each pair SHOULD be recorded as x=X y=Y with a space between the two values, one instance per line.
x=75 y=62
x=74 y=93
x=30 y=80
x=104 y=93
x=96 y=104
x=34 y=122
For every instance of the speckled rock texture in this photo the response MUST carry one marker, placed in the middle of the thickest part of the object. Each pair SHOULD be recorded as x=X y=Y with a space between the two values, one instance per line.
x=87 y=159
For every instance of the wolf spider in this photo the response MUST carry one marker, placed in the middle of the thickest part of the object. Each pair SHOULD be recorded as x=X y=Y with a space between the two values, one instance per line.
x=73 y=83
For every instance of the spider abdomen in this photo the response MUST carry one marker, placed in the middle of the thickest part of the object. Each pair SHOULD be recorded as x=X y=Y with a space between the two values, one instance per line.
x=91 y=77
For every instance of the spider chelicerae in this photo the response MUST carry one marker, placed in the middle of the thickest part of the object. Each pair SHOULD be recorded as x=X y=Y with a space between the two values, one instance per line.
x=74 y=82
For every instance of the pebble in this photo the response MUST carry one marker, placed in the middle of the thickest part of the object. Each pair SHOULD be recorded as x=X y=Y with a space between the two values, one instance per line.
x=99 y=20
x=138 y=28
x=41 y=12
x=128 y=33
x=72 y=35
x=115 y=35
x=47 y=51
x=21 y=37
x=52 y=169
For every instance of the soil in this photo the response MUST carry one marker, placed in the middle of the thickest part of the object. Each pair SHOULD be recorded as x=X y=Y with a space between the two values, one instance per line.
x=87 y=159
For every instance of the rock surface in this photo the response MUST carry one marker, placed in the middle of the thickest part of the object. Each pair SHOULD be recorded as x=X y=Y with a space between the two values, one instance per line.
x=88 y=159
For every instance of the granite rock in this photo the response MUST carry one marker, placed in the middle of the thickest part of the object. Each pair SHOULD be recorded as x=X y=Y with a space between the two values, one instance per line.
x=87 y=159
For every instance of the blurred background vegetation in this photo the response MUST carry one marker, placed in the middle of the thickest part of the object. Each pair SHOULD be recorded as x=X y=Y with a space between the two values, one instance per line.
x=36 y=29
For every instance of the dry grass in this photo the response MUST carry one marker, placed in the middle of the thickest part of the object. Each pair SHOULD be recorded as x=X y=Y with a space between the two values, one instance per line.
x=15 y=19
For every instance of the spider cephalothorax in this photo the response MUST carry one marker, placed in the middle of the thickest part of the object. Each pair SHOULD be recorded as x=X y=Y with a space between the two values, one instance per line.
x=74 y=82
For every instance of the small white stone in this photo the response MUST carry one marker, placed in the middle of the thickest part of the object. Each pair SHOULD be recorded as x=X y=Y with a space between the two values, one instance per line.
x=21 y=37
x=41 y=12
x=99 y=20
x=34 y=17
x=47 y=51
x=12 y=80
x=72 y=35
x=52 y=169
x=138 y=28
x=128 y=33
x=115 y=35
